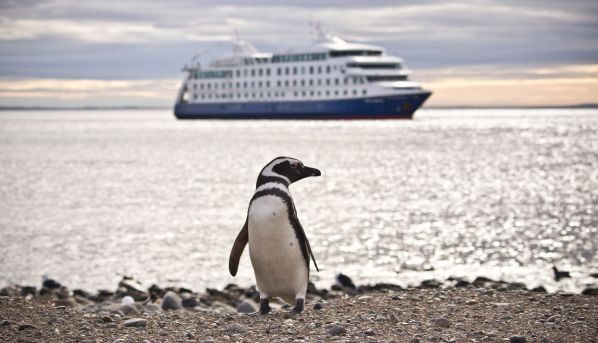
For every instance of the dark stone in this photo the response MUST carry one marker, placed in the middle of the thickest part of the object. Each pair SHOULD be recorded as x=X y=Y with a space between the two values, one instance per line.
x=594 y=275
x=481 y=281
x=369 y=332
x=184 y=290
x=51 y=284
x=156 y=292
x=345 y=281
x=102 y=295
x=107 y=319
x=28 y=290
x=311 y=289
x=4 y=322
x=190 y=302
x=318 y=306
x=246 y=307
x=172 y=301
x=189 y=335
x=135 y=323
x=511 y=286
x=379 y=287
x=336 y=330
x=539 y=289
x=415 y=340
x=518 y=339
x=560 y=274
x=81 y=293
x=26 y=326
x=428 y=284
x=9 y=292
x=590 y=291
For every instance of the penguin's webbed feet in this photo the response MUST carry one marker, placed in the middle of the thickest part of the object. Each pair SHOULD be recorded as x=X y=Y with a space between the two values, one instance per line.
x=264 y=306
x=298 y=306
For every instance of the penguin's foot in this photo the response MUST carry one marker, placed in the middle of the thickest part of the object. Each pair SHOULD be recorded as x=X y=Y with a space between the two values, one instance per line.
x=298 y=306
x=264 y=306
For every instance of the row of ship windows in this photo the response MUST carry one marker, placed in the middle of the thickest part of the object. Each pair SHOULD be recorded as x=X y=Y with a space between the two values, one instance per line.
x=278 y=94
x=267 y=71
x=286 y=83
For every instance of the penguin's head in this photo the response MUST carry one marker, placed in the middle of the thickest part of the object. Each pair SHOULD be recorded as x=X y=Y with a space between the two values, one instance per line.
x=286 y=168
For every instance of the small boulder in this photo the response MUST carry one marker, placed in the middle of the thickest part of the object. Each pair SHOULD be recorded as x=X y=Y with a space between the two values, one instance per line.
x=318 y=306
x=442 y=322
x=590 y=291
x=4 y=322
x=129 y=310
x=171 y=301
x=246 y=307
x=518 y=339
x=26 y=326
x=190 y=302
x=336 y=330
x=135 y=323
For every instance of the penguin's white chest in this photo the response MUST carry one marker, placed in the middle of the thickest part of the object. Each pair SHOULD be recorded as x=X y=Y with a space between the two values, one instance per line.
x=278 y=263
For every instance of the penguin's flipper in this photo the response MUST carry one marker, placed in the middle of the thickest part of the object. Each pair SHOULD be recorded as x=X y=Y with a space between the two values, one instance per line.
x=299 y=230
x=237 y=250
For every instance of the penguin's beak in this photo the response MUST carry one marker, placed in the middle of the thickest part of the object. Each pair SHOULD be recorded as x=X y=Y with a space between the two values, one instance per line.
x=307 y=172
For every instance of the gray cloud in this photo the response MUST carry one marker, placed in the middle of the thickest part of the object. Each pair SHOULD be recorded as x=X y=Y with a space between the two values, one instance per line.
x=143 y=39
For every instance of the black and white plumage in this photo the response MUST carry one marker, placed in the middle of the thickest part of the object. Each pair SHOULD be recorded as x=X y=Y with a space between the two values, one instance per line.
x=279 y=250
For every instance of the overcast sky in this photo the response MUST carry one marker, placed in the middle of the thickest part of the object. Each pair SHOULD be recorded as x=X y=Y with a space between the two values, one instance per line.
x=486 y=52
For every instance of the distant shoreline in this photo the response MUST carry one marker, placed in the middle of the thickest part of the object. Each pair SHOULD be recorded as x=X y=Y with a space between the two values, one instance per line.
x=100 y=108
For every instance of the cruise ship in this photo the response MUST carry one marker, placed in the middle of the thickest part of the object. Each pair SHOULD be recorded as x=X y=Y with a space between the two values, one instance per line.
x=331 y=79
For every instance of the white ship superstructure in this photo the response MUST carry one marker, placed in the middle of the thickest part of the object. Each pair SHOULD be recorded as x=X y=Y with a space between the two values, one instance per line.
x=330 y=70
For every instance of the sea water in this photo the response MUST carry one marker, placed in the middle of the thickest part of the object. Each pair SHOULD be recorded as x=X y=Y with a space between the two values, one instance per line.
x=87 y=196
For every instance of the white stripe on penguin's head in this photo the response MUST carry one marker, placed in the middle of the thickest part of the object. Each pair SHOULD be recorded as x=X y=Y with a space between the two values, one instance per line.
x=268 y=169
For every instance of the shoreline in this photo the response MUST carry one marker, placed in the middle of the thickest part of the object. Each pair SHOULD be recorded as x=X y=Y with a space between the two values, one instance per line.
x=484 y=310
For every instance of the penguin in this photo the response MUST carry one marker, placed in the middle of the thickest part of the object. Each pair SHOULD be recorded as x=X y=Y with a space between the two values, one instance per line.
x=278 y=248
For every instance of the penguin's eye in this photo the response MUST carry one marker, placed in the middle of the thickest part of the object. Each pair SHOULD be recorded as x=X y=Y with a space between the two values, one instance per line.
x=295 y=165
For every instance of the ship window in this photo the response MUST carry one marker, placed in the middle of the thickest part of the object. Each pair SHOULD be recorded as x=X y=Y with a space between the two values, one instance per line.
x=253 y=95
x=294 y=70
x=245 y=84
x=336 y=81
x=328 y=69
x=238 y=85
x=267 y=72
x=335 y=92
x=259 y=84
x=194 y=96
x=261 y=95
x=319 y=82
x=203 y=96
x=343 y=53
x=209 y=86
x=311 y=70
x=278 y=71
x=238 y=73
x=355 y=92
x=346 y=80
x=345 y=92
x=303 y=93
x=294 y=82
x=364 y=92
x=311 y=93
x=303 y=70
x=327 y=82
x=252 y=72
x=311 y=82
x=201 y=86
x=259 y=72
x=245 y=72
x=286 y=71
x=286 y=83
x=327 y=93
x=267 y=83
x=319 y=93
x=278 y=83
x=252 y=84
x=268 y=94
x=319 y=69
x=303 y=82
x=295 y=94
x=387 y=78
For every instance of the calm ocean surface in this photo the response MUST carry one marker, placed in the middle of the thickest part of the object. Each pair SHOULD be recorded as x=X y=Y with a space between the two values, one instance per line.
x=88 y=196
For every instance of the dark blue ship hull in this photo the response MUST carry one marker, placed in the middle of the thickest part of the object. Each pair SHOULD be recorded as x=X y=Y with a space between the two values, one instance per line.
x=398 y=106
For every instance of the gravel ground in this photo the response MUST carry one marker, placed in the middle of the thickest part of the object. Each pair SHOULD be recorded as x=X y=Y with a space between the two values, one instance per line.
x=430 y=315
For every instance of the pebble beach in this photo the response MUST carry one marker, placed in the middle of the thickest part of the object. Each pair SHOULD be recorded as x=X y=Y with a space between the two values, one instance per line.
x=482 y=311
